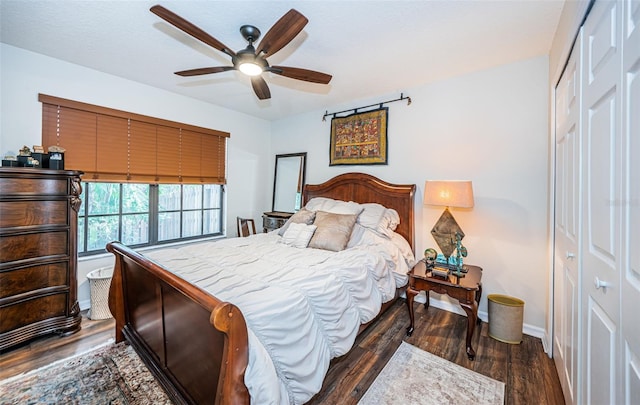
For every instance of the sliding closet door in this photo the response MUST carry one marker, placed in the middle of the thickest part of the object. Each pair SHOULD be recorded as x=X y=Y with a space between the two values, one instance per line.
x=602 y=195
x=567 y=225
x=630 y=277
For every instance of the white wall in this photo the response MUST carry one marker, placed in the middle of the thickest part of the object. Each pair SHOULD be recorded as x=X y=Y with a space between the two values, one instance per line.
x=24 y=74
x=489 y=127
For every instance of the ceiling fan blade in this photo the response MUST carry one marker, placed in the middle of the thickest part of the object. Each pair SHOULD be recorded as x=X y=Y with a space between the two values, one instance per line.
x=282 y=32
x=301 y=74
x=260 y=87
x=190 y=29
x=204 y=71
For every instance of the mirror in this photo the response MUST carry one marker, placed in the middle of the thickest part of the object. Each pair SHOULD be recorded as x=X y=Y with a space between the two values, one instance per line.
x=288 y=182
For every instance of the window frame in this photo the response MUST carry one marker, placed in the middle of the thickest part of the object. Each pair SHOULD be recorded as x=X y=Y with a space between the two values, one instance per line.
x=153 y=213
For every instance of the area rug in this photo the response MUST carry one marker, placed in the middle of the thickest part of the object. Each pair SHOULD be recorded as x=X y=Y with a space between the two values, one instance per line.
x=414 y=376
x=113 y=374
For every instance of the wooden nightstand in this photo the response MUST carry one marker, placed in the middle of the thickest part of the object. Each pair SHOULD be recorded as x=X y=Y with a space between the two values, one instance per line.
x=467 y=290
x=274 y=220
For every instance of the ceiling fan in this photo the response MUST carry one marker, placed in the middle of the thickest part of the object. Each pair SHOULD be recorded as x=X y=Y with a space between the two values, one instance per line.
x=251 y=61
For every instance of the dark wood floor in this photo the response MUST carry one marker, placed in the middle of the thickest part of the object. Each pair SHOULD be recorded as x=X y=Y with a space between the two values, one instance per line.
x=529 y=374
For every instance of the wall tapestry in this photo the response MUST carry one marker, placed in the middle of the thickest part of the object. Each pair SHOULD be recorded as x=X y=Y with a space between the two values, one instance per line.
x=359 y=138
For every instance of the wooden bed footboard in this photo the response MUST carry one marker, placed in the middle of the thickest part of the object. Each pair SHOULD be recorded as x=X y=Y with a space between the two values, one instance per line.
x=195 y=344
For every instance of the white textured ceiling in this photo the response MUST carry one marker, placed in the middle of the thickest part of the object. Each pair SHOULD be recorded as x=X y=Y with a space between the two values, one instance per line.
x=370 y=47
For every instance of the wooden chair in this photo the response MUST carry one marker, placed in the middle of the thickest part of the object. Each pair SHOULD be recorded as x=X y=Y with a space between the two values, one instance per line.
x=243 y=227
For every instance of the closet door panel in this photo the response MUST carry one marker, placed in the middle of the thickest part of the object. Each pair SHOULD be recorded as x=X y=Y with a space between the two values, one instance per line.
x=608 y=229
x=601 y=143
x=602 y=193
x=567 y=226
x=631 y=376
x=601 y=356
x=630 y=283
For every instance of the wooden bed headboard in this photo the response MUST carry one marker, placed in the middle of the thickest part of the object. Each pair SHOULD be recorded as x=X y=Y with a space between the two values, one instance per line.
x=365 y=188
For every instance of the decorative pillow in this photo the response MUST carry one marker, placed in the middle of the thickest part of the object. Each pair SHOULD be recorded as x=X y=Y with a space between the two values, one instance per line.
x=304 y=216
x=298 y=235
x=333 y=231
x=334 y=206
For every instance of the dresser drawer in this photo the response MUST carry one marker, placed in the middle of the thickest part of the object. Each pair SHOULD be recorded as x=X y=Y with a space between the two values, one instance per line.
x=34 y=186
x=33 y=213
x=33 y=310
x=13 y=282
x=33 y=245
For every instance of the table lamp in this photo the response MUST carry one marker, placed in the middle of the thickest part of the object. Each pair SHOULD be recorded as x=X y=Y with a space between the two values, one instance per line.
x=446 y=231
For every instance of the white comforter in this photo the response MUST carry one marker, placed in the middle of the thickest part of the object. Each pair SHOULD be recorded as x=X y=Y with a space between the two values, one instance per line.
x=302 y=307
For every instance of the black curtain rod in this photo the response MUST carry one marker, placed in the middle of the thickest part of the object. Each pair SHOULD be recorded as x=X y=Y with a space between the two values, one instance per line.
x=355 y=110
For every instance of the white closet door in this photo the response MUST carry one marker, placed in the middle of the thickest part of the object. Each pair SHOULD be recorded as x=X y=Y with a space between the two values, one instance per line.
x=567 y=226
x=630 y=320
x=602 y=193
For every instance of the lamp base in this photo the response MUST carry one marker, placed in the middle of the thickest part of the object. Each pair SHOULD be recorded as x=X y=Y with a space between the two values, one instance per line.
x=444 y=233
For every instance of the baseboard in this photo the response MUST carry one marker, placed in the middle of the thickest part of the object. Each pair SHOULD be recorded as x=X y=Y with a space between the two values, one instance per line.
x=546 y=344
x=84 y=304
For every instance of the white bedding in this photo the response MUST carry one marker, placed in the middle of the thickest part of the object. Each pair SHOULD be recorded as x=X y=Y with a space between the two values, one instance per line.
x=302 y=307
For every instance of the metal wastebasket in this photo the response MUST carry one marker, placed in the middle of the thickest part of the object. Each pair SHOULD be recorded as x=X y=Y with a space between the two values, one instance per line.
x=505 y=318
x=99 y=283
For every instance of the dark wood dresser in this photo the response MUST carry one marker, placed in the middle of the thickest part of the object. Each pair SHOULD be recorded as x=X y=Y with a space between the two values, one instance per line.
x=38 y=253
x=274 y=220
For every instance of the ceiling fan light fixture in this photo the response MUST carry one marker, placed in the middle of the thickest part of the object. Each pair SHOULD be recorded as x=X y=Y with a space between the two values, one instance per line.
x=250 y=68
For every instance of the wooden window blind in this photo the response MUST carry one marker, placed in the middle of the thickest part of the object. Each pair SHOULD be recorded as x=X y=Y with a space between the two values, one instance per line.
x=118 y=146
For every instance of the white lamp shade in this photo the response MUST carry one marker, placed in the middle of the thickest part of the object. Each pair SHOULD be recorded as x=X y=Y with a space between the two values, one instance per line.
x=450 y=193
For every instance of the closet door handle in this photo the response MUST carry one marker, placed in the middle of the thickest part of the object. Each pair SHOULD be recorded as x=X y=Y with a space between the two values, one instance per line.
x=601 y=284
x=570 y=255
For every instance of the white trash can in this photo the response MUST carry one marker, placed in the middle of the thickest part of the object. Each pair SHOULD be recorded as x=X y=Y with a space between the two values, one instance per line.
x=505 y=318
x=99 y=283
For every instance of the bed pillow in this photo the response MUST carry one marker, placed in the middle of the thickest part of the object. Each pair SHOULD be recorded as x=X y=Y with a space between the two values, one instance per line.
x=404 y=248
x=303 y=216
x=334 y=206
x=379 y=219
x=298 y=235
x=359 y=235
x=333 y=231
x=392 y=216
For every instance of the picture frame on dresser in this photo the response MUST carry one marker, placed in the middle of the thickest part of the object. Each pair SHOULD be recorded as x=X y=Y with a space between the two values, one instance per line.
x=38 y=253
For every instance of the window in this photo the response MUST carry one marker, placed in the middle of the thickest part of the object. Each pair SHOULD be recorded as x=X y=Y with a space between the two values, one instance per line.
x=147 y=214
x=148 y=180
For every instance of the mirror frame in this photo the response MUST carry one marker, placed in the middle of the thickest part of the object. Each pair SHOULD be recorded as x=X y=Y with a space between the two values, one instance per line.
x=303 y=156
